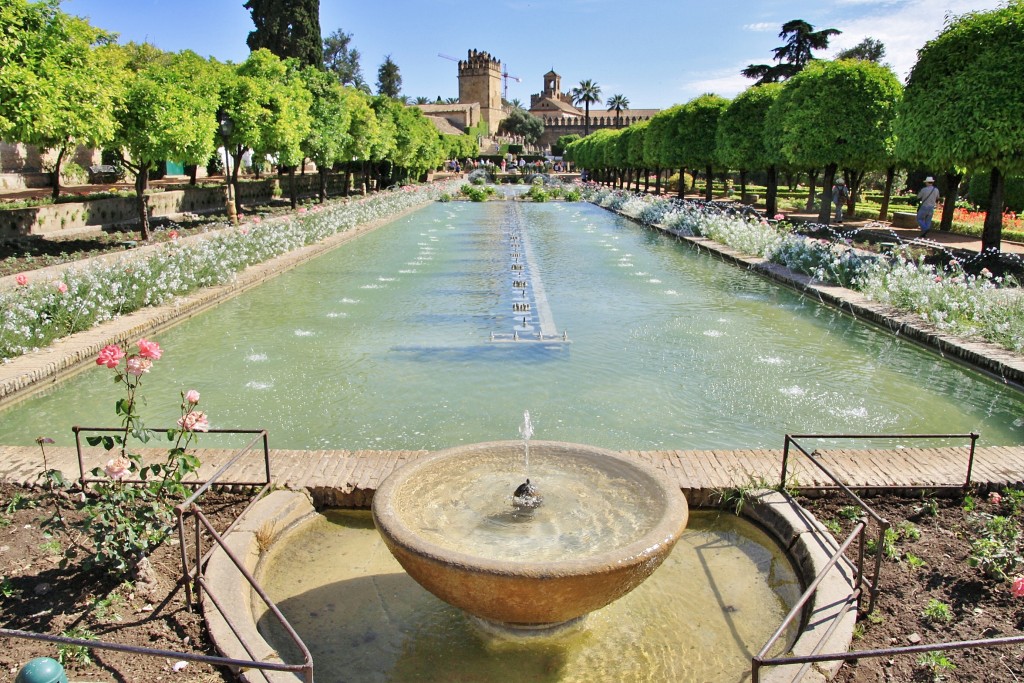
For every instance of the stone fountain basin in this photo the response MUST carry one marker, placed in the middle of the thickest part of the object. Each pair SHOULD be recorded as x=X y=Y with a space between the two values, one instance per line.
x=520 y=591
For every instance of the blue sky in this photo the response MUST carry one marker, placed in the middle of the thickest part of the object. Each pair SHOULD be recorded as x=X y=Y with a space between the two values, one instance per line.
x=655 y=52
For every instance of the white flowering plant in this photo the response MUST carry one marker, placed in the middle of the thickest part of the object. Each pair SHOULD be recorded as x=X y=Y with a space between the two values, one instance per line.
x=981 y=305
x=130 y=507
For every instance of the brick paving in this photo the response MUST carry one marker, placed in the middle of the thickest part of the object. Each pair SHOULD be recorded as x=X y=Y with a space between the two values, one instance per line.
x=349 y=477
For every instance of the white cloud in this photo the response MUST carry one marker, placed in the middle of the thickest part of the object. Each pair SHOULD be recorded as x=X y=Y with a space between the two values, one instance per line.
x=724 y=82
x=761 y=26
x=903 y=29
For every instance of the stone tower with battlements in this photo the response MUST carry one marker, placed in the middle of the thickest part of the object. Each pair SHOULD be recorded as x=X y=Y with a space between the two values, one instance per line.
x=480 y=82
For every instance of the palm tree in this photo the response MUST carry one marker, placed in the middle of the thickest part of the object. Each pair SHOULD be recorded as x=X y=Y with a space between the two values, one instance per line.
x=617 y=103
x=516 y=104
x=801 y=41
x=423 y=100
x=586 y=92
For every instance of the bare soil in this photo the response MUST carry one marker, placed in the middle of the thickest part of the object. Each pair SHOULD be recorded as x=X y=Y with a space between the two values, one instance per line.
x=38 y=595
x=933 y=567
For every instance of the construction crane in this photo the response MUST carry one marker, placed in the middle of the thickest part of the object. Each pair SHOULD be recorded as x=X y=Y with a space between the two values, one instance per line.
x=505 y=75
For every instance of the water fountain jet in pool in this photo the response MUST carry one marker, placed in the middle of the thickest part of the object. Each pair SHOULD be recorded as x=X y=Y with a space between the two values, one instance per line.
x=606 y=524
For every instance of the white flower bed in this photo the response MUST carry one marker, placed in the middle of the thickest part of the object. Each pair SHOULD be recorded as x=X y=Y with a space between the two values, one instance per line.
x=966 y=305
x=37 y=313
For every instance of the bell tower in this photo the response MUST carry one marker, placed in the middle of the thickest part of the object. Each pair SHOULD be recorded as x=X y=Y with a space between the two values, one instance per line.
x=480 y=81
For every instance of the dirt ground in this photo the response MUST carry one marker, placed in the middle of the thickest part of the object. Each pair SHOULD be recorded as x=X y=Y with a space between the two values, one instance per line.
x=37 y=594
x=931 y=568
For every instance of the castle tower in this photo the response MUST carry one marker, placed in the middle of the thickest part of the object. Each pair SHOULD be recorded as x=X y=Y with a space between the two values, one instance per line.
x=480 y=82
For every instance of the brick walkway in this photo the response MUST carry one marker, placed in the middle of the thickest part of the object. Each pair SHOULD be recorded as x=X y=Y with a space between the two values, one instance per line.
x=350 y=477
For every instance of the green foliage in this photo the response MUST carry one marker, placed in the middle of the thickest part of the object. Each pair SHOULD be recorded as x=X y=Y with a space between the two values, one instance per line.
x=741 y=142
x=812 y=130
x=698 y=127
x=850 y=512
x=537 y=193
x=914 y=562
x=572 y=195
x=833 y=527
x=330 y=123
x=1013 y=191
x=288 y=28
x=889 y=539
x=389 y=80
x=801 y=41
x=996 y=550
x=937 y=612
x=342 y=61
x=108 y=608
x=477 y=194
x=936 y=663
x=125 y=520
x=521 y=122
x=66 y=654
x=929 y=506
x=558 y=149
x=963 y=101
x=7 y=589
x=908 y=531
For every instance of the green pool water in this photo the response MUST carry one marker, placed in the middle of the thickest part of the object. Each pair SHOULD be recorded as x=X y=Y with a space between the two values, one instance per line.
x=386 y=342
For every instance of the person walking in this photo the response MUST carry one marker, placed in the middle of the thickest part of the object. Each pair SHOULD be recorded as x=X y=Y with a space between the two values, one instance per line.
x=927 y=198
x=839 y=194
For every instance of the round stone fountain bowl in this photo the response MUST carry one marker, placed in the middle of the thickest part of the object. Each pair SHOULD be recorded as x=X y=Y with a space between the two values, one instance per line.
x=607 y=522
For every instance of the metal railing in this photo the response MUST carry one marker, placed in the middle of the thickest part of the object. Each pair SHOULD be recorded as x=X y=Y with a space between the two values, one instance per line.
x=761 y=659
x=190 y=507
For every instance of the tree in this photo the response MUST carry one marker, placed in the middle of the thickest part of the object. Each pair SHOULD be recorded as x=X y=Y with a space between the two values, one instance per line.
x=813 y=133
x=516 y=104
x=422 y=99
x=635 y=151
x=962 y=105
x=167 y=111
x=342 y=60
x=869 y=50
x=617 y=103
x=558 y=149
x=698 y=126
x=665 y=135
x=57 y=90
x=288 y=28
x=389 y=81
x=521 y=122
x=330 y=124
x=587 y=92
x=801 y=41
x=741 y=139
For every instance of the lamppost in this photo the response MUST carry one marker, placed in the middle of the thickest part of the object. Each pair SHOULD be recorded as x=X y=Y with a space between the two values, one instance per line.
x=227 y=127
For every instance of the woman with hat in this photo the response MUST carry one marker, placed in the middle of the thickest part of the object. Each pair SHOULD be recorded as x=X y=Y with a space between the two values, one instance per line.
x=927 y=198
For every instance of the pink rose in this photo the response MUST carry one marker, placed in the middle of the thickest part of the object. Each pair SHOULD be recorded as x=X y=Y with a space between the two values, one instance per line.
x=62 y=287
x=994 y=498
x=194 y=421
x=779 y=216
x=173 y=234
x=244 y=231
x=21 y=279
x=138 y=365
x=192 y=397
x=110 y=355
x=938 y=278
x=256 y=219
x=985 y=272
x=118 y=468
x=1017 y=588
x=302 y=209
x=241 y=216
x=150 y=350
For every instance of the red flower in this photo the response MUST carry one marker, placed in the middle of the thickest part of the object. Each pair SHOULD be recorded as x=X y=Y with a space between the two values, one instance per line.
x=149 y=350
x=110 y=355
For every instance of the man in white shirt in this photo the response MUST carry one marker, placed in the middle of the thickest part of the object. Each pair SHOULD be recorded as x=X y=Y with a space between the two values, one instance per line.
x=927 y=198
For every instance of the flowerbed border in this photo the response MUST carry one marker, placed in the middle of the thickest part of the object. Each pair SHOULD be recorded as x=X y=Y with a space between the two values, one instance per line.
x=25 y=375
x=982 y=356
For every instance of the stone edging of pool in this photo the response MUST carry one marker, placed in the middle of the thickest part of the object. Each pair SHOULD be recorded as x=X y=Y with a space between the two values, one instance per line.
x=22 y=376
x=808 y=543
x=993 y=360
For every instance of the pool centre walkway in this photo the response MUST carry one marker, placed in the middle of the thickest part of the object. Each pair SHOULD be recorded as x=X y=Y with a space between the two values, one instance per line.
x=349 y=477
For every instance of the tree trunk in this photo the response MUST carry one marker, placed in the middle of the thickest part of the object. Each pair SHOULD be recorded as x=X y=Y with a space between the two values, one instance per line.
x=56 y=172
x=708 y=183
x=303 y=173
x=890 y=176
x=141 y=200
x=657 y=181
x=647 y=180
x=949 y=203
x=853 y=180
x=293 y=189
x=771 y=208
x=682 y=183
x=992 y=232
x=826 y=186
x=586 y=118
x=743 y=185
x=812 y=179
x=348 y=178
x=323 y=184
x=193 y=174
